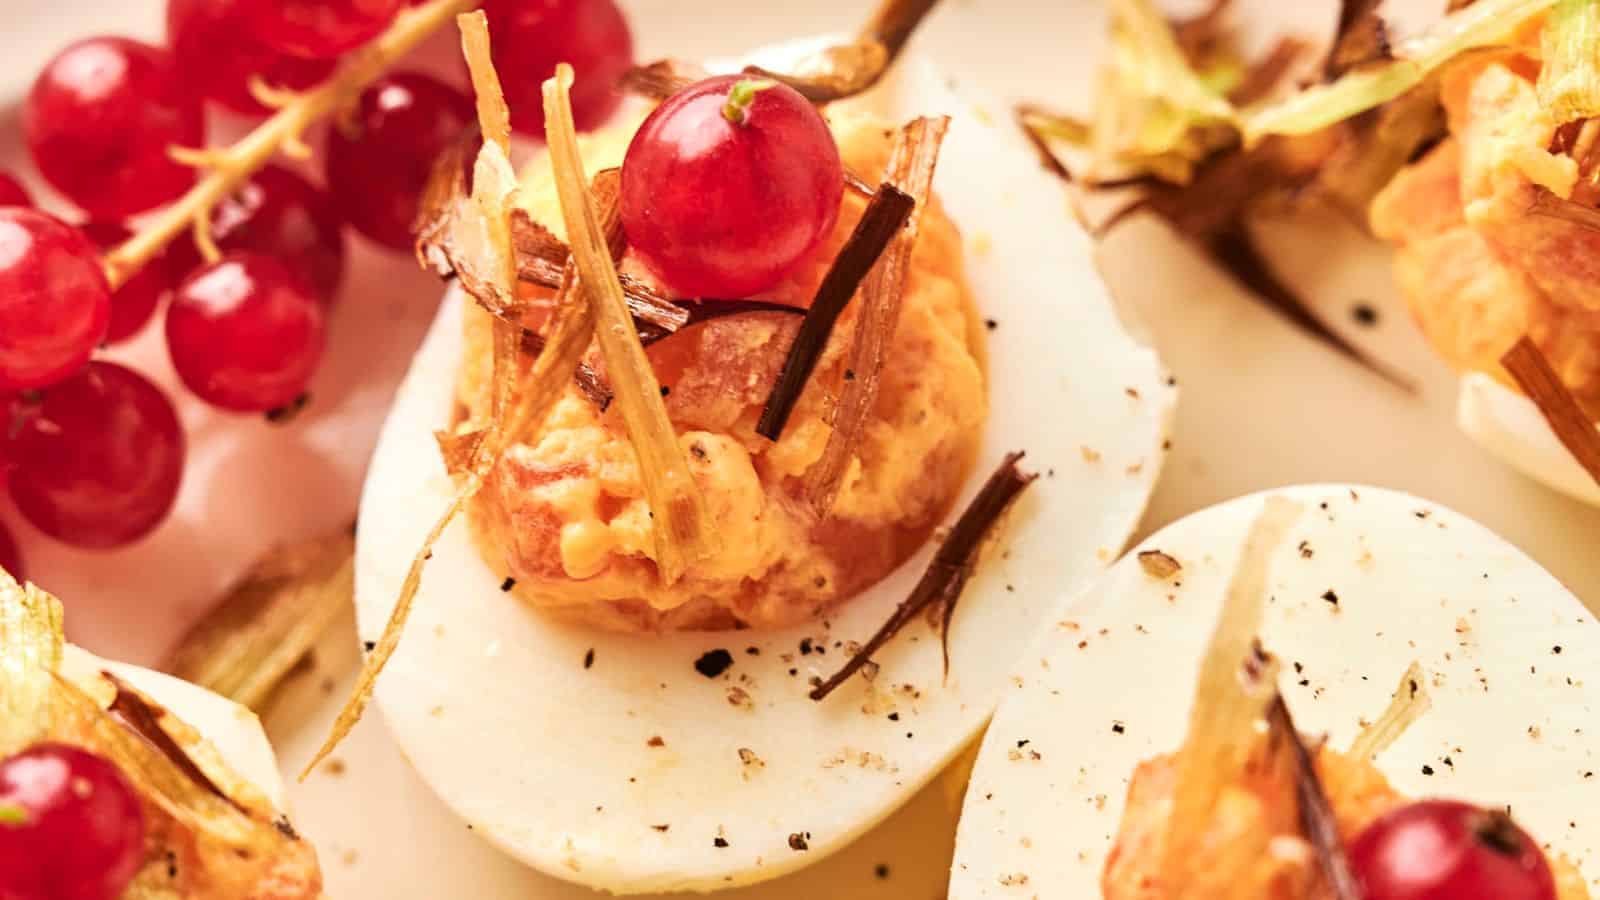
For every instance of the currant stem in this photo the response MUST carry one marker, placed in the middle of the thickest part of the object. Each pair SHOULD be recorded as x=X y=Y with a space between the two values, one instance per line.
x=741 y=96
x=232 y=166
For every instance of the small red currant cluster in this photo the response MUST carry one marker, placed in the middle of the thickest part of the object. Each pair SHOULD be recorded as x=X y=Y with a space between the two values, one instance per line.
x=92 y=451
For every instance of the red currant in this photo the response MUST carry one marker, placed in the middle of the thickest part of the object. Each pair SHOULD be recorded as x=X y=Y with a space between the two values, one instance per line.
x=96 y=463
x=1443 y=850
x=12 y=193
x=280 y=214
x=54 y=302
x=70 y=826
x=135 y=302
x=218 y=55
x=529 y=37
x=729 y=185
x=100 y=119
x=379 y=160
x=319 y=29
x=10 y=557
x=245 y=334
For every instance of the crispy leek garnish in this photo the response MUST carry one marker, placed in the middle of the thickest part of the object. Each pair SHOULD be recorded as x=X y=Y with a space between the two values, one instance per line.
x=1408 y=704
x=269 y=620
x=683 y=532
x=1483 y=24
x=1228 y=705
x=1569 y=81
x=1576 y=431
x=911 y=166
x=1154 y=114
x=30 y=649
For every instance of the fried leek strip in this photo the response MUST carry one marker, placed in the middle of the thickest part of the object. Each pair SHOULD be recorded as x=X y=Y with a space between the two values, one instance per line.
x=1483 y=24
x=30 y=649
x=1409 y=703
x=912 y=162
x=1534 y=374
x=1569 y=80
x=269 y=620
x=682 y=523
x=1227 y=708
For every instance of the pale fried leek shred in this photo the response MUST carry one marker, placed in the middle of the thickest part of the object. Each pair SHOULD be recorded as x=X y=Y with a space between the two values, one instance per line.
x=494 y=116
x=1569 y=81
x=912 y=163
x=1409 y=703
x=30 y=649
x=269 y=620
x=1227 y=708
x=1483 y=24
x=682 y=523
x=1152 y=110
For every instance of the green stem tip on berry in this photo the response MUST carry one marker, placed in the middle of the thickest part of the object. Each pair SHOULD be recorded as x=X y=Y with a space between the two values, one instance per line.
x=14 y=815
x=741 y=96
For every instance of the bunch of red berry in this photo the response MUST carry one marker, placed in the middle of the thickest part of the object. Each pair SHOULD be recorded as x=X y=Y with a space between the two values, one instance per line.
x=93 y=451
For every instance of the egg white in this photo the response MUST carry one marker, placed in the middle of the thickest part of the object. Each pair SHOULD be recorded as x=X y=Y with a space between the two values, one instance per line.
x=553 y=762
x=1511 y=427
x=1113 y=684
x=232 y=729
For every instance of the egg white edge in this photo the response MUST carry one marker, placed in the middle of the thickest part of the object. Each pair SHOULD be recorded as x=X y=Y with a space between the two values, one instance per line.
x=1511 y=427
x=644 y=860
x=234 y=730
x=1043 y=827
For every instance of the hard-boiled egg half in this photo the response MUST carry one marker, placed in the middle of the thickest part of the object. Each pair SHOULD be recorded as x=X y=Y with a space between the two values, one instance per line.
x=661 y=759
x=1365 y=583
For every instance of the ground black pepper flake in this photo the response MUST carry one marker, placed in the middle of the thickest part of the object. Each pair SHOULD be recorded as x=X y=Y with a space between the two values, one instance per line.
x=1556 y=649
x=1118 y=728
x=894 y=717
x=714 y=663
x=719 y=843
x=881 y=870
x=370 y=645
x=805 y=646
x=798 y=842
x=172 y=865
x=588 y=659
x=991 y=324
x=1427 y=769
x=1331 y=597
x=666 y=391
x=508 y=584
x=1364 y=314
x=285 y=828
x=661 y=828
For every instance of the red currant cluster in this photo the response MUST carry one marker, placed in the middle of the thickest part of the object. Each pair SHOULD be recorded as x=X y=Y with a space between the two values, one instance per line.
x=93 y=450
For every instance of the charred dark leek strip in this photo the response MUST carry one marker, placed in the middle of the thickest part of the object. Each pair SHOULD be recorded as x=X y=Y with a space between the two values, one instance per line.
x=1316 y=813
x=133 y=710
x=1025 y=115
x=1362 y=37
x=1567 y=419
x=854 y=68
x=884 y=216
x=948 y=573
x=587 y=379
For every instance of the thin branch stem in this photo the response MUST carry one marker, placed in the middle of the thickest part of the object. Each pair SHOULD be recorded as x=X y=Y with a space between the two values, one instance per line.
x=230 y=167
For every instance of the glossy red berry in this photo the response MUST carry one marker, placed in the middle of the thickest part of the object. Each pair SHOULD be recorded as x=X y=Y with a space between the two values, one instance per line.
x=97 y=461
x=99 y=121
x=280 y=214
x=10 y=555
x=379 y=159
x=729 y=185
x=528 y=39
x=218 y=55
x=319 y=29
x=246 y=334
x=12 y=193
x=135 y=302
x=54 y=301
x=70 y=826
x=1444 y=850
